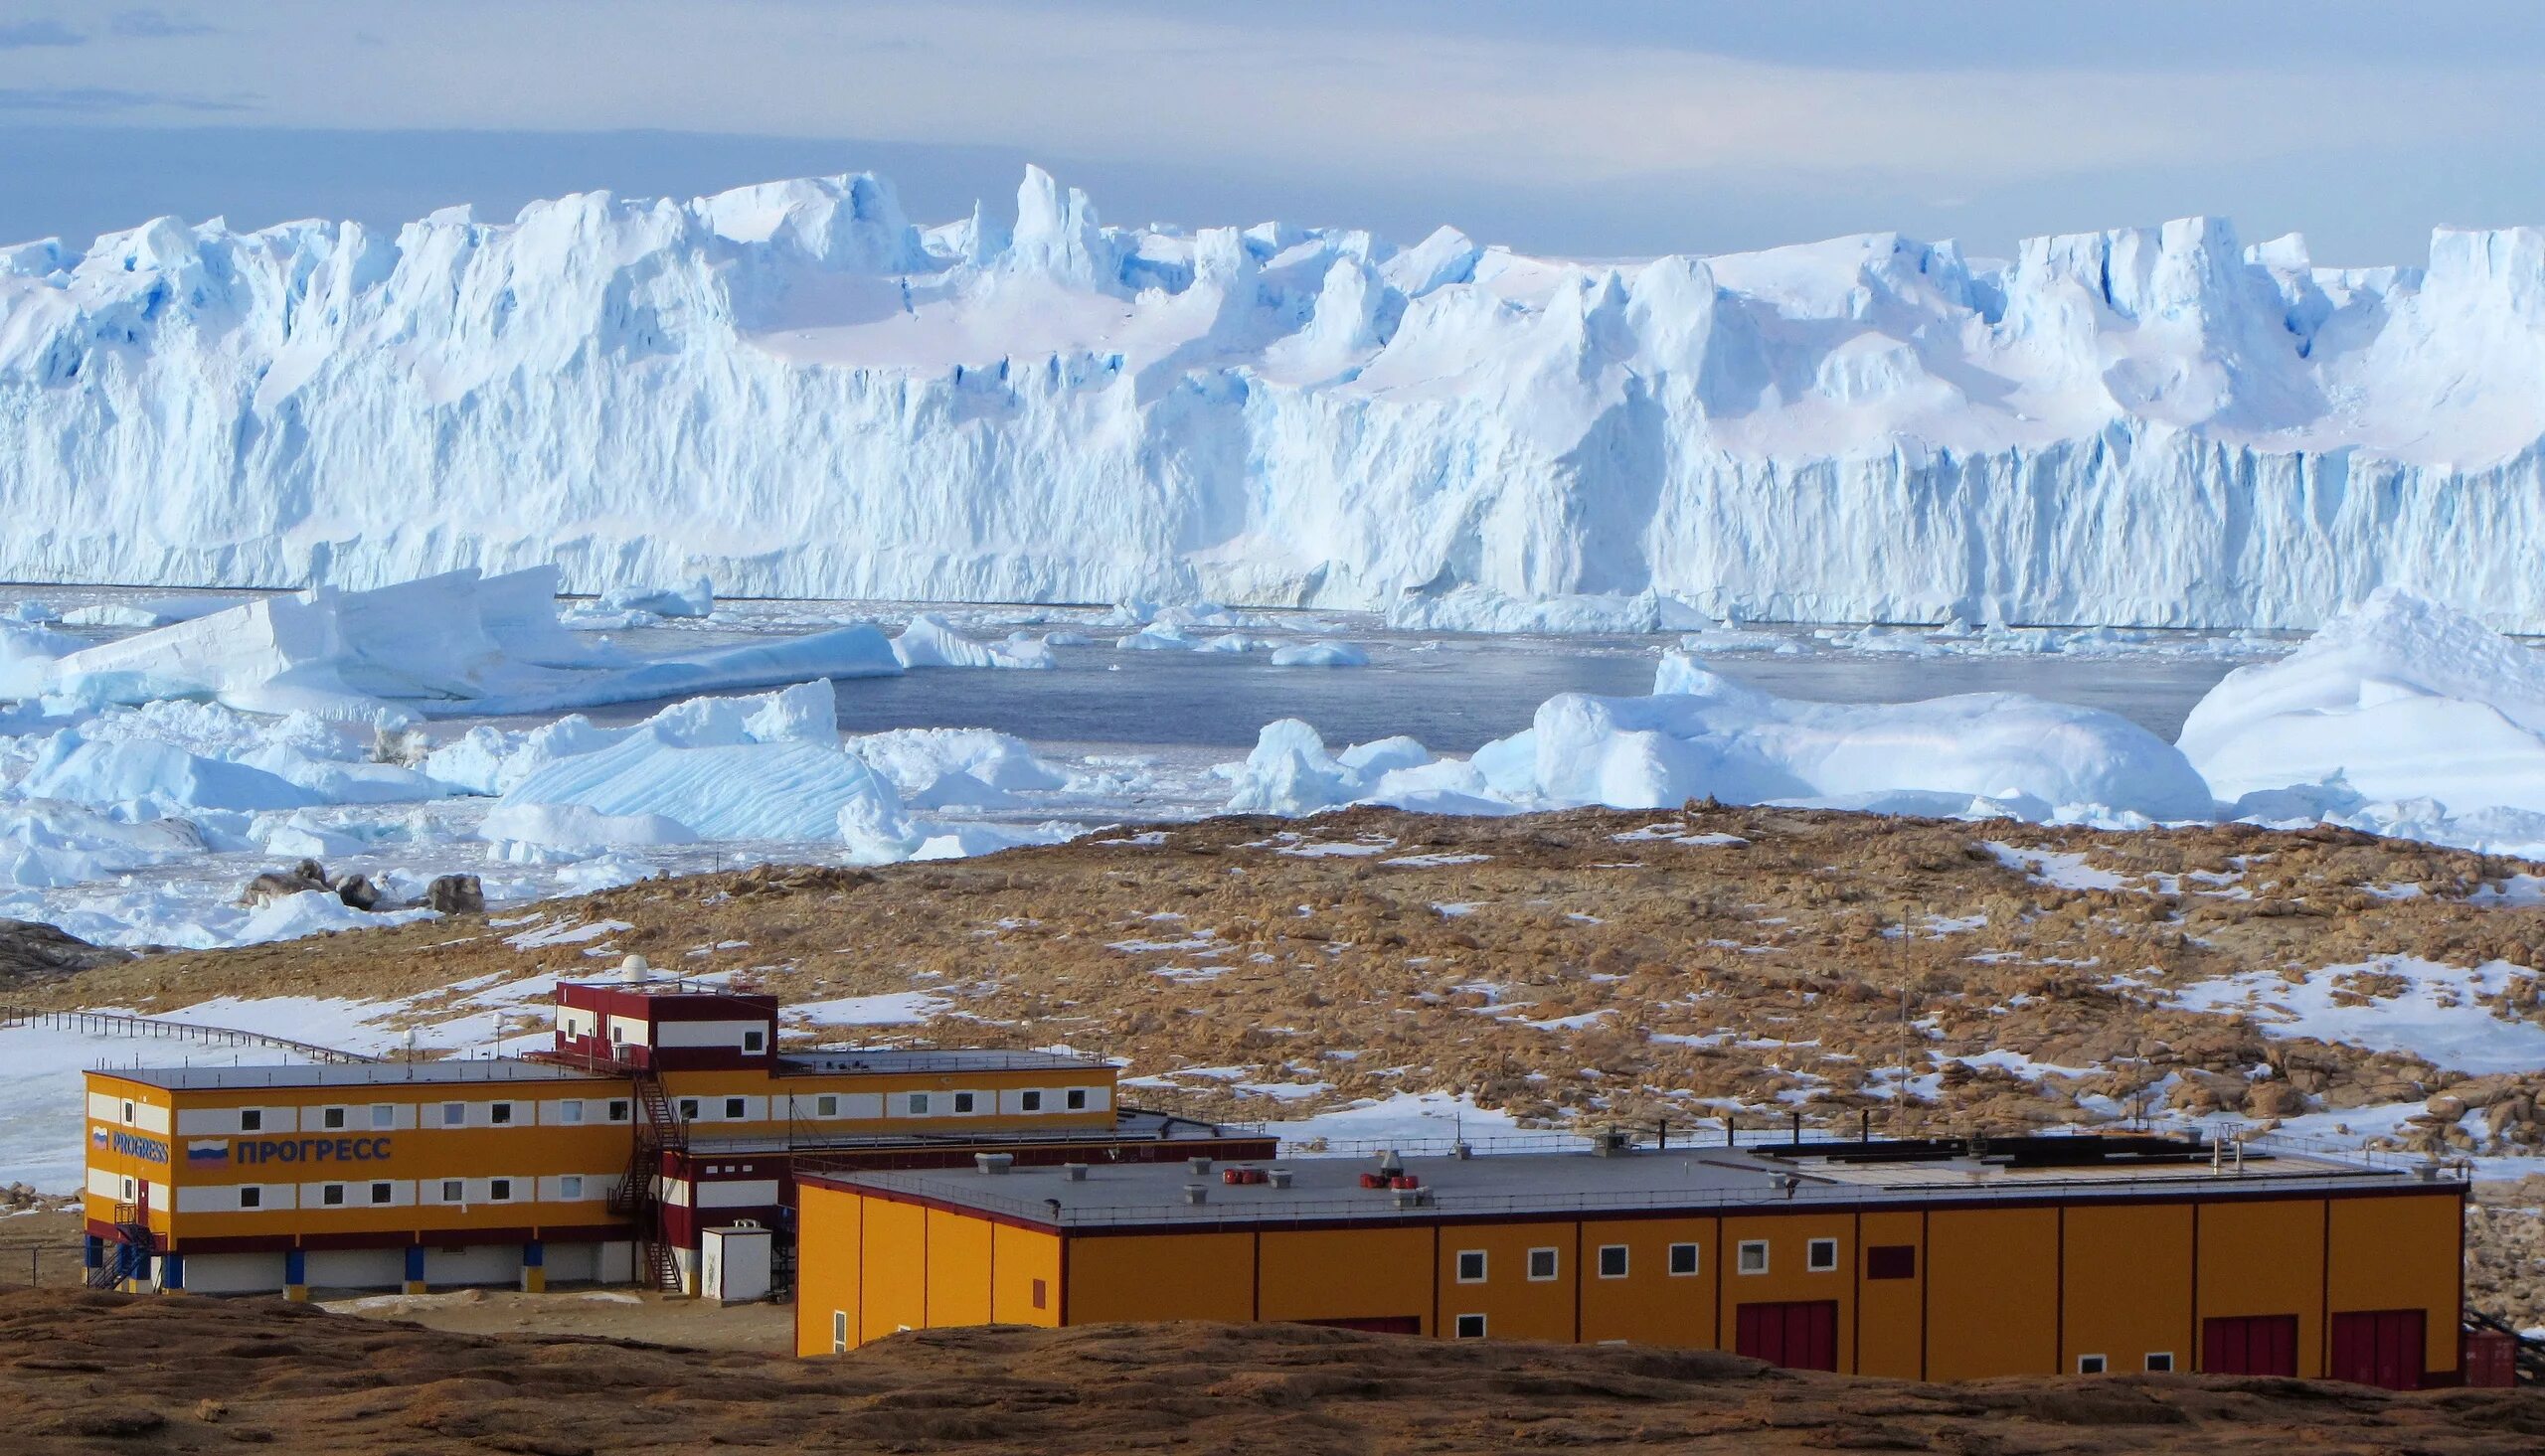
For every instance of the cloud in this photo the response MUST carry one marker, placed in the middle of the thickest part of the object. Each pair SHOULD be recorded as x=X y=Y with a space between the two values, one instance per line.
x=93 y=99
x=32 y=33
x=157 y=25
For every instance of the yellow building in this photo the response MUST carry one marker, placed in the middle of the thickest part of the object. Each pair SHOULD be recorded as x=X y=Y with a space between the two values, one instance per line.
x=662 y=1108
x=1922 y=1260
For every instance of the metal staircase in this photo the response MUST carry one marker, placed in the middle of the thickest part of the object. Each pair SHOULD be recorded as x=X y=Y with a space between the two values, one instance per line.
x=128 y=1256
x=659 y=1129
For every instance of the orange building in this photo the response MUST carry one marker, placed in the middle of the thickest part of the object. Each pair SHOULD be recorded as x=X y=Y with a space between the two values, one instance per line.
x=1924 y=1260
x=662 y=1108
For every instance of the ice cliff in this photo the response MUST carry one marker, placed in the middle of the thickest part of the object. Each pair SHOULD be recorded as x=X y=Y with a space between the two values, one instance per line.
x=793 y=389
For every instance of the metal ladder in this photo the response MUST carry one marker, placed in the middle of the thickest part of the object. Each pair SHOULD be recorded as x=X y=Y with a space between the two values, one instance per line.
x=659 y=1129
x=129 y=1257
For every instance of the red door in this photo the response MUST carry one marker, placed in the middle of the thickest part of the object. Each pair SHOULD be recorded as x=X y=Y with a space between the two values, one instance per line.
x=1800 y=1334
x=2250 y=1345
x=2378 y=1348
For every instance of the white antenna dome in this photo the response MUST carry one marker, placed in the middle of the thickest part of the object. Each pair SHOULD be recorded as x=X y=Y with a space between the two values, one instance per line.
x=634 y=968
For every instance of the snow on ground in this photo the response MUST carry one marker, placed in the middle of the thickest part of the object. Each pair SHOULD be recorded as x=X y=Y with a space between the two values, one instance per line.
x=1413 y=1121
x=2435 y=1013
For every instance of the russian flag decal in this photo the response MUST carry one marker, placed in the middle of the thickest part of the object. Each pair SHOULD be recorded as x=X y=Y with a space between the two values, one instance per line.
x=207 y=1150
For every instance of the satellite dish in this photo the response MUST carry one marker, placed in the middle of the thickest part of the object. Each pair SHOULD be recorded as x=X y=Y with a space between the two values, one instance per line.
x=634 y=968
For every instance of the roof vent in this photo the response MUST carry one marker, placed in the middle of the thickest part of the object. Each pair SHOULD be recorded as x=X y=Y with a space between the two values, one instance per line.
x=995 y=1162
x=1074 y=1172
x=1461 y=1151
x=1609 y=1142
x=1390 y=1164
x=1278 y=1177
x=1412 y=1198
x=1197 y=1192
x=1197 y=1165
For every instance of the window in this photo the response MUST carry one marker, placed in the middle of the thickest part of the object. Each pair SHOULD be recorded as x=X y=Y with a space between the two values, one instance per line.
x=617 y=1034
x=127 y=1114
x=1042 y=1293
x=570 y=1187
x=1753 y=1257
x=1542 y=1263
x=2089 y=1364
x=753 y=1041
x=453 y=1113
x=453 y=1190
x=1820 y=1255
x=689 y=1109
x=2161 y=1363
x=251 y=1119
x=1612 y=1262
x=1471 y=1326
x=332 y=1195
x=839 y=1326
x=1683 y=1258
x=733 y=1109
x=570 y=1111
x=331 y=1118
x=379 y=1193
x=1891 y=1262
x=826 y=1107
x=499 y=1113
x=127 y=1191
x=251 y=1197
x=1471 y=1266
x=382 y=1116
x=499 y=1190
x=1075 y=1099
x=1030 y=1101
x=963 y=1102
x=618 y=1112
x=916 y=1104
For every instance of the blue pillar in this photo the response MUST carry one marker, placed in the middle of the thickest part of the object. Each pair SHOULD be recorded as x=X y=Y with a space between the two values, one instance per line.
x=534 y=1267
x=295 y=1274
x=92 y=1252
x=414 y=1268
x=172 y=1272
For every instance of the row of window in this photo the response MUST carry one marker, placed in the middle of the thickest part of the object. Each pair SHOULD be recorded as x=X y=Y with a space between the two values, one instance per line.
x=1819 y=1256
x=2159 y=1362
x=570 y=1188
x=382 y=1116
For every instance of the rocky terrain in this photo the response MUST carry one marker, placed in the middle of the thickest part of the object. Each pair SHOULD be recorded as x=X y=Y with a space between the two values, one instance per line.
x=96 y=1373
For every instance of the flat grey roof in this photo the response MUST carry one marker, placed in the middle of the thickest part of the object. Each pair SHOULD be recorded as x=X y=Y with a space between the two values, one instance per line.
x=1696 y=1180
x=358 y=1074
x=1131 y=1124
x=842 y=1059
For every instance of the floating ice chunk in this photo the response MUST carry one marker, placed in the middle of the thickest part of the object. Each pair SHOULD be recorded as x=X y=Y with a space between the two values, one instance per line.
x=1290 y=772
x=696 y=598
x=931 y=641
x=576 y=827
x=959 y=790
x=914 y=758
x=1321 y=654
x=48 y=844
x=1470 y=608
x=155 y=779
x=1156 y=638
x=1233 y=642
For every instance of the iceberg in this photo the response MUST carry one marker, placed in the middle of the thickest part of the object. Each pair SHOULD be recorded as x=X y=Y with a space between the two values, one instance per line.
x=795 y=390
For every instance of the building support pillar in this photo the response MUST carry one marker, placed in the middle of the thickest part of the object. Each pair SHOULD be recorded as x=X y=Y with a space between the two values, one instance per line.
x=534 y=1267
x=295 y=1275
x=414 y=1269
x=172 y=1272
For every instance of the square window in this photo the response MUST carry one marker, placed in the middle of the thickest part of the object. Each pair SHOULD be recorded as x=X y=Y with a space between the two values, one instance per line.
x=1076 y=1100
x=1471 y=1266
x=826 y=1107
x=839 y=1327
x=1542 y=1263
x=251 y=1197
x=1753 y=1256
x=1820 y=1255
x=499 y=1190
x=1042 y=1294
x=1471 y=1326
x=916 y=1104
x=1891 y=1262
x=251 y=1119
x=570 y=1111
x=755 y=1041
x=1612 y=1262
x=2089 y=1364
x=570 y=1187
x=453 y=1114
x=331 y=1118
x=384 y=1115
x=500 y=1113
x=963 y=1102
x=379 y=1193
x=1683 y=1258
x=2161 y=1363
x=332 y=1195
x=453 y=1190
x=618 y=1112
x=733 y=1109
x=1030 y=1101
x=689 y=1109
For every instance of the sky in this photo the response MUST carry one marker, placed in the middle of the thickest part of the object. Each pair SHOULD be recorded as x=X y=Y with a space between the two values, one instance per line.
x=1589 y=129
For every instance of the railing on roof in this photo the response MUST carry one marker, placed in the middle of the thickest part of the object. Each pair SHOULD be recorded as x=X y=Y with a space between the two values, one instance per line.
x=794 y=1060
x=106 y=1023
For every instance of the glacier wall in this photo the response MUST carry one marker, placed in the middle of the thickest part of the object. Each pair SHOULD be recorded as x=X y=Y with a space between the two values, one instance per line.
x=797 y=391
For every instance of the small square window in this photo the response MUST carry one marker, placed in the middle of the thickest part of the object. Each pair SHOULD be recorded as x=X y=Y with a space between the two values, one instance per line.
x=1029 y=1102
x=251 y=1196
x=499 y=1190
x=916 y=1104
x=332 y=1195
x=1471 y=1266
x=827 y=1107
x=618 y=1112
x=454 y=1114
x=570 y=1187
x=499 y=1113
x=755 y=1041
x=1542 y=1263
x=331 y=1118
x=1471 y=1326
x=1075 y=1100
x=570 y=1111
x=733 y=1109
x=689 y=1109
x=2161 y=1363
x=2089 y=1364
x=453 y=1190
x=1820 y=1255
x=379 y=1193
x=839 y=1328
x=382 y=1116
x=963 y=1102
x=1891 y=1262
x=1683 y=1258
x=1042 y=1294
x=251 y=1119
x=1753 y=1256
x=1612 y=1262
